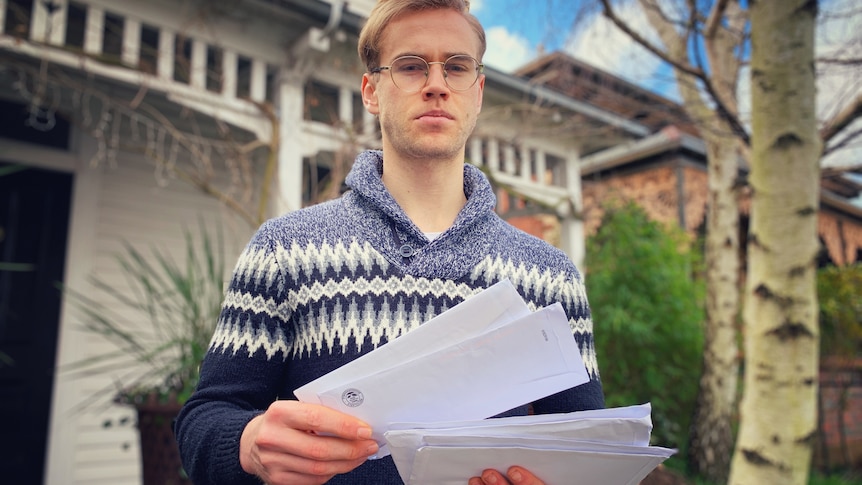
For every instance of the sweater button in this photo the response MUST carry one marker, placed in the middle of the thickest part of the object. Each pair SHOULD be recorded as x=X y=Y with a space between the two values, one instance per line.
x=406 y=251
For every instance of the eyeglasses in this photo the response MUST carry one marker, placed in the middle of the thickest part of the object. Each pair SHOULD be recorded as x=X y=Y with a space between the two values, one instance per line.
x=410 y=73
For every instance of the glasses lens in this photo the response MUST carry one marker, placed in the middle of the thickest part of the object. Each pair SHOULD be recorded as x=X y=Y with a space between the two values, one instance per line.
x=461 y=72
x=409 y=73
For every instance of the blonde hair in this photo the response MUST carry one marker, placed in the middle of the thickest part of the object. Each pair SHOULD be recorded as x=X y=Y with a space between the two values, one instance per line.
x=385 y=11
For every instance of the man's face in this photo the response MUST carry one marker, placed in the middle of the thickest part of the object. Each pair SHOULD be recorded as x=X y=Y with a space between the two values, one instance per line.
x=435 y=122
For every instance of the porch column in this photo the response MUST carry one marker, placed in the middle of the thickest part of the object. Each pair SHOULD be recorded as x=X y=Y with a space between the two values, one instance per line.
x=290 y=101
x=572 y=236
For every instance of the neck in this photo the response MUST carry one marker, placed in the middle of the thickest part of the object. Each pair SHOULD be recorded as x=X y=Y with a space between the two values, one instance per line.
x=431 y=192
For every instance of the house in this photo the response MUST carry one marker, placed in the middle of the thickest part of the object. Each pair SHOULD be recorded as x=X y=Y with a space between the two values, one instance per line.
x=127 y=121
x=665 y=171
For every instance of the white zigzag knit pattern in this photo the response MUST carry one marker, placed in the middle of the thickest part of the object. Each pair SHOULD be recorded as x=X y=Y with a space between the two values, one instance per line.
x=357 y=311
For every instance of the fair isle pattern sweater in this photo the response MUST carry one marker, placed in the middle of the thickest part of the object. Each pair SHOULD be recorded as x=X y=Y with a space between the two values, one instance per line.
x=317 y=288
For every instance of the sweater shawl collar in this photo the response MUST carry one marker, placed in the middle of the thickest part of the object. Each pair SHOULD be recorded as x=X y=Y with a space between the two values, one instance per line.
x=387 y=226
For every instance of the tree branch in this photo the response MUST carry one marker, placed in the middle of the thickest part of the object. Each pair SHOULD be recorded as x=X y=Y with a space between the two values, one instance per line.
x=609 y=12
x=721 y=108
x=714 y=20
x=840 y=121
x=840 y=61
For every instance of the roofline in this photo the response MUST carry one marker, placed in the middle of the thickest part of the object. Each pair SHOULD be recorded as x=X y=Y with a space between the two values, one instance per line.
x=669 y=138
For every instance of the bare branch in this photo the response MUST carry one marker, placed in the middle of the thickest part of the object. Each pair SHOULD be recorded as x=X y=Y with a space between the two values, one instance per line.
x=609 y=12
x=840 y=61
x=840 y=121
x=851 y=136
x=714 y=19
x=721 y=107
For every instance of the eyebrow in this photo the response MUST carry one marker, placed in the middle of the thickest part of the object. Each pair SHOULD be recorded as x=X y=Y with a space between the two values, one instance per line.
x=446 y=55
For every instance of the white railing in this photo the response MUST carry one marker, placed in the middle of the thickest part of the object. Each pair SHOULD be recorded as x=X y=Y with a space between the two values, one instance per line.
x=122 y=46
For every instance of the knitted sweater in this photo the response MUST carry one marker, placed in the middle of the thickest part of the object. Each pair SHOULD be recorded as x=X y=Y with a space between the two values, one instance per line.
x=317 y=288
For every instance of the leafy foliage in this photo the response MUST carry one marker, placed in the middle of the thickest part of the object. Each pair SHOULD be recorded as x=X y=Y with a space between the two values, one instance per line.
x=180 y=305
x=838 y=289
x=648 y=312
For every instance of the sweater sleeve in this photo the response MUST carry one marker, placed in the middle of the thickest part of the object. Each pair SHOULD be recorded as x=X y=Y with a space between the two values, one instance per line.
x=240 y=373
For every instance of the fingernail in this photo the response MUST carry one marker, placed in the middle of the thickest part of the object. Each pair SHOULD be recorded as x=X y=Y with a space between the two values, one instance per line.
x=491 y=479
x=516 y=476
x=364 y=433
x=372 y=450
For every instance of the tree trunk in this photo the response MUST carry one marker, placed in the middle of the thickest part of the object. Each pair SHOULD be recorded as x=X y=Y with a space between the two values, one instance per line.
x=711 y=433
x=711 y=437
x=779 y=405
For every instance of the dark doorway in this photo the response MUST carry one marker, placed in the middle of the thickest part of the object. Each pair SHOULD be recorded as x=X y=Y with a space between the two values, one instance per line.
x=34 y=218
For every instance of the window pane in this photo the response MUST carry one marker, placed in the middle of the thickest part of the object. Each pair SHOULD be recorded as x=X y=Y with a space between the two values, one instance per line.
x=321 y=103
x=243 y=77
x=18 y=13
x=112 y=41
x=76 y=24
x=214 y=68
x=182 y=59
x=149 y=58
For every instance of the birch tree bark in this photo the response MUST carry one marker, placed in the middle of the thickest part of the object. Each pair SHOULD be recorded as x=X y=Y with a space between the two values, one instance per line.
x=779 y=405
x=711 y=436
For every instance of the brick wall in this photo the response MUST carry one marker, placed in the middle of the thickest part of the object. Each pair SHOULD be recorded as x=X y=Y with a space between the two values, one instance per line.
x=840 y=435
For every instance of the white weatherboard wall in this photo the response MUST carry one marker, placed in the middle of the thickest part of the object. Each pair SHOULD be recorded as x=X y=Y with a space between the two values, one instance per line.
x=112 y=203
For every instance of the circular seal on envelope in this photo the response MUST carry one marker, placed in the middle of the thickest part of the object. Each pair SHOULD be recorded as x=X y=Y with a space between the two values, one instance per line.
x=352 y=397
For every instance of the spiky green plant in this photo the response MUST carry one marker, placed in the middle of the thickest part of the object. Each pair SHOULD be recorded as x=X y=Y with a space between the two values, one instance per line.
x=157 y=357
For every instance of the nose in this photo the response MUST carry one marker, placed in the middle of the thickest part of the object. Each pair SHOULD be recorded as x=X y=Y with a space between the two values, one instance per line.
x=435 y=85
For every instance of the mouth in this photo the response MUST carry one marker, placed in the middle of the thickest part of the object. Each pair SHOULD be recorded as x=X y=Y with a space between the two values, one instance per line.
x=438 y=114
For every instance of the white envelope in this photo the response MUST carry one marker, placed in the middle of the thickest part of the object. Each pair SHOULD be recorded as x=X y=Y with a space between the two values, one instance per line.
x=629 y=426
x=526 y=359
x=453 y=465
x=490 y=308
x=626 y=425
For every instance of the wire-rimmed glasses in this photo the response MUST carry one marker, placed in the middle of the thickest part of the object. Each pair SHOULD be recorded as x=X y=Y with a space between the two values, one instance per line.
x=410 y=73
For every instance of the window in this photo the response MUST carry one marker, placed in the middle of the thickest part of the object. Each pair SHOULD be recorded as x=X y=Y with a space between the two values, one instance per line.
x=18 y=15
x=149 y=58
x=214 y=69
x=243 y=77
x=321 y=103
x=76 y=25
x=112 y=39
x=555 y=170
x=182 y=59
x=358 y=114
x=271 y=75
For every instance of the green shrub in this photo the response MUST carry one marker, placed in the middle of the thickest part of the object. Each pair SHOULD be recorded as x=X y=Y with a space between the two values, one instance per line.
x=838 y=289
x=648 y=313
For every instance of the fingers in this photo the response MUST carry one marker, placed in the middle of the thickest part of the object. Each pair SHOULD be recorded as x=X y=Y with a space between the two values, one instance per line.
x=301 y=443
x=319 y=419
x=514 y=475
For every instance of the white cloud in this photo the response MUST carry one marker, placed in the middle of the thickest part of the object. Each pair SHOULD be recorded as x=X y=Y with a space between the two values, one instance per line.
x=596 y=41
x=507 y=51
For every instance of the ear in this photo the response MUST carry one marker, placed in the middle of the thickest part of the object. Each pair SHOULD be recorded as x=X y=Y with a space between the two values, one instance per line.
x=369 y=94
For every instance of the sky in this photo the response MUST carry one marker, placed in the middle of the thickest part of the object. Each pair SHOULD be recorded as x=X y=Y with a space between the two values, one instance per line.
x=518 y=31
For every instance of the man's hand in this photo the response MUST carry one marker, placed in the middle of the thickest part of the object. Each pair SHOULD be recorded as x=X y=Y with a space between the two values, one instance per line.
x=300 y=443
x=514 y=475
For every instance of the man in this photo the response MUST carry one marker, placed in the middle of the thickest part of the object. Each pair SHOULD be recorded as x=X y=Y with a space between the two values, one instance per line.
x=316 y=288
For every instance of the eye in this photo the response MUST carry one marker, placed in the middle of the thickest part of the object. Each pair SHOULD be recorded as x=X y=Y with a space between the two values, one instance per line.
x=410 y=66
x=460 y=66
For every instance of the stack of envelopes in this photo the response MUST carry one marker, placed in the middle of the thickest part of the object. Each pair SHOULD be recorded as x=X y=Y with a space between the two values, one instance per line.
x=478 y=359
x=601 y=447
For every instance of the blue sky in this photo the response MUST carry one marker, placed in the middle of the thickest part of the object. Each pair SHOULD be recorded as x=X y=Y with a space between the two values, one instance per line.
x=518 y=30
